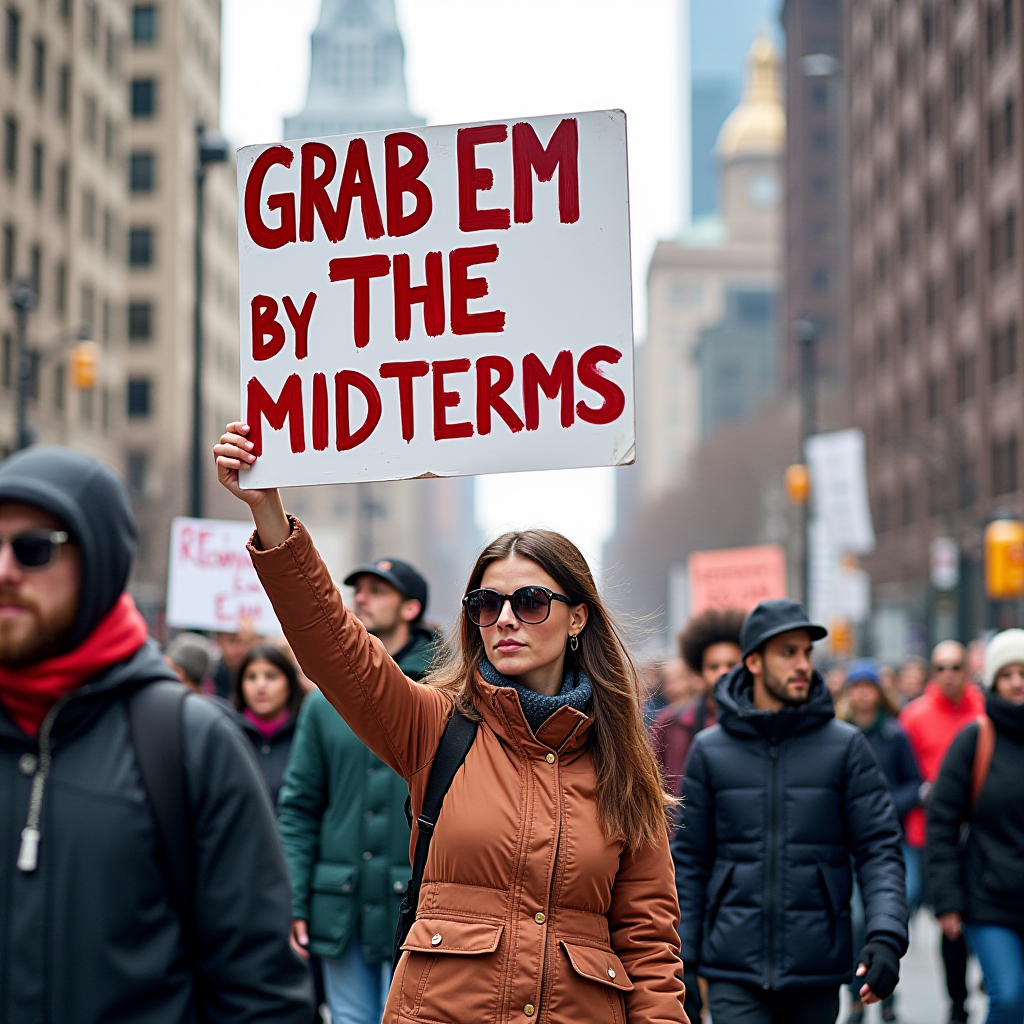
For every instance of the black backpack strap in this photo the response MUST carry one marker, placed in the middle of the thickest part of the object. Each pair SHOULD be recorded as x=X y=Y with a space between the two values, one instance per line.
x=156 y=716
x=458 y=737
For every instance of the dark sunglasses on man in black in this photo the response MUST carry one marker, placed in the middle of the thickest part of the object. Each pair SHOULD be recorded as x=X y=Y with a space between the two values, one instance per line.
x=35 y=549
x=531 y=605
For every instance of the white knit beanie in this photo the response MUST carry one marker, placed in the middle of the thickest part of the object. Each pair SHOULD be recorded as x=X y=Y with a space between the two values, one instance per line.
x=1003 y=649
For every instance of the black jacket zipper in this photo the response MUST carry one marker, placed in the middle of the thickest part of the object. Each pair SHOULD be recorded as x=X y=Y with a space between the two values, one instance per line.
x=773 y=867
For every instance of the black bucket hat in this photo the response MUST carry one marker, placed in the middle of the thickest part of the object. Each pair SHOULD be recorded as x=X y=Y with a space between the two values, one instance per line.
x=770 y=618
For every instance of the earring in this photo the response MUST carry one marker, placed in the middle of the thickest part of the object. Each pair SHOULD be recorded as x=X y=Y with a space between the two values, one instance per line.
x=574 y=642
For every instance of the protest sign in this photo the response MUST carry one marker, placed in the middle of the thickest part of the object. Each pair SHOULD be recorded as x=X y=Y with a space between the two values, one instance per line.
x=736 y=577
x=437 y=301
x=211 y=583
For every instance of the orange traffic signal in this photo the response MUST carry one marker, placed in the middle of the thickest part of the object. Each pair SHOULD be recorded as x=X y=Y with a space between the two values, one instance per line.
x=798 y=484
x=84 y=364
x=1004 y=559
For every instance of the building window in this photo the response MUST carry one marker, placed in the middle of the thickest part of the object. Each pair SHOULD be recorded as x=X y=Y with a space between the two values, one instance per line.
x=144 y=24
x=930 y=26
x=88 y=214
x=1003 y=351
x=139 y=404
x=1008 y=22
x=963 y=174
x=963 y=68
x=60 y=289
x=106 y=321
x=141 y=172
x=140 y=322
x=7 y=260
x=10 y=147
x=1002 y=234
x=143 y=97
x=108 y=231
x=934 y=397
x=140 y=247
x=12 y=40
x=89 y=119
x=966 y=377
x=35 y=269
x=112 y=51
x=819 y=279
x=88 y=306
x=59 y=378
x=64 y=91
x=62 y=190
x=92 y=26
x=1004 y=465
x=6 y=360
x=109 y=140
x=39 y=67
x=37 y=170
x=136 y=473
x=964 y=275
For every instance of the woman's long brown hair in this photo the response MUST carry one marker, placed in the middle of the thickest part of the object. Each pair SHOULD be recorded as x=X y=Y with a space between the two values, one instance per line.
x=632 y=804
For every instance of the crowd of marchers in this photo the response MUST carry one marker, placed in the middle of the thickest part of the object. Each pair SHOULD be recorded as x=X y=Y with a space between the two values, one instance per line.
x=366 y=820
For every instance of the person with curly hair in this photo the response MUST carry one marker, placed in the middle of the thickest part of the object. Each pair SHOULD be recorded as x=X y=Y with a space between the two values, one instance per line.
x=710 y=647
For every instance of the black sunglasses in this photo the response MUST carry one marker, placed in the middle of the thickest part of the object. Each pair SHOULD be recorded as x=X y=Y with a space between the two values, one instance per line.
x=531 y=605
x=34 y=549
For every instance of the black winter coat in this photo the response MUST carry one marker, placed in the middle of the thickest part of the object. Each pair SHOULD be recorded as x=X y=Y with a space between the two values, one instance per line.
x=271 y=751
x=774 y=807
x=982 y=877
x=89 y=936
x=896 y=759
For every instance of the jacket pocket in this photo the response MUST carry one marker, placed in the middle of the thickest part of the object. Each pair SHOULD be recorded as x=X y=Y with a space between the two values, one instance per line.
x=831 y=903
x=331 y=906
x=450 y=970
x=716 y=894
x=462 y=938
x=600 y=965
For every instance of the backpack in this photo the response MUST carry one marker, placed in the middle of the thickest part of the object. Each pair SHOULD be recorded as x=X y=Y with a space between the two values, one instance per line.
x=458 y=737
x=156 y=723
x=983 y=751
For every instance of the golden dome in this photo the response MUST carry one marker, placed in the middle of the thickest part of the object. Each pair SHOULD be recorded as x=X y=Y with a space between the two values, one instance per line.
x=757 y=127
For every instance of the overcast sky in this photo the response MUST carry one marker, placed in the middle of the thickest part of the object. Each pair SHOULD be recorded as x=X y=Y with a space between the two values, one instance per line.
x=471 y=60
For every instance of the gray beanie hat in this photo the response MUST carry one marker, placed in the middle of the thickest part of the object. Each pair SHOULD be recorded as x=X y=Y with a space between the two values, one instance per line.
x=1003 y=649
x=191 y=653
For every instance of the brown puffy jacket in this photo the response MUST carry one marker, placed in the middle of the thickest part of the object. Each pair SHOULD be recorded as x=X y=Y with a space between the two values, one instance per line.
x=527 y=911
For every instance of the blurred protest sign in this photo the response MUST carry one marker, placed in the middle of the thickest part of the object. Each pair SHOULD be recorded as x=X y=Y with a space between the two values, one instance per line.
x=839 y=489
x=437 y=301
x=736 y=577
x=211 y=583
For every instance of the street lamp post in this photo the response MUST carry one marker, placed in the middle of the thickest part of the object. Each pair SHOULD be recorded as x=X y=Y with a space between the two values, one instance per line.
x=210 y=149
x=806 y=333
x=23 y=300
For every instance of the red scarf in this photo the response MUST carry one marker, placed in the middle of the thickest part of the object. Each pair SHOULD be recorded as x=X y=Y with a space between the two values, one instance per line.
x=27 y=694
x=268 y=727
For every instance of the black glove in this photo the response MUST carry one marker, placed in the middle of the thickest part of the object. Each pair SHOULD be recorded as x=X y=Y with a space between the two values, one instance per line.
x=883 y=968
x=693 y=1005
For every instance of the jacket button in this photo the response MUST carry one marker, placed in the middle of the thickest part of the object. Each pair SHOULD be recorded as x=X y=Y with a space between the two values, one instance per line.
x=27 y=764
x=550 y=758
x=265 y=748
x=611 y=973
x=368 y=815
x=346 y=887
x=529 y=1009
x=398 y=887
x=435 y=940
x=539 y=918
x=367 y=855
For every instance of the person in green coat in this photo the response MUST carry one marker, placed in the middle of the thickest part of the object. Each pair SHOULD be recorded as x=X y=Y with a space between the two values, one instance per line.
x=342 y=815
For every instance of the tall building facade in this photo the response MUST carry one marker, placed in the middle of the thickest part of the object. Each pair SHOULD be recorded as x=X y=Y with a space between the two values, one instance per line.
x=816 y=226
x=710 y=353
x=63 y=104
x=936 y=170
x=357 y=84
x=173 y=84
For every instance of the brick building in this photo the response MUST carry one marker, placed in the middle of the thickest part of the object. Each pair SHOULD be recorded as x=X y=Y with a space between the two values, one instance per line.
x=936 y=173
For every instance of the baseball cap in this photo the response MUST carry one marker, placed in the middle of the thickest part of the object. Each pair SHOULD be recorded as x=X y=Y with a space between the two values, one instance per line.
x=401 y=575
x=770 y=618
x=863 y=670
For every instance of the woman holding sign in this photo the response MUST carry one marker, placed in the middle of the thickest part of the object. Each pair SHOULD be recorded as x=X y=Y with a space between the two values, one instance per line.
x=548 y=890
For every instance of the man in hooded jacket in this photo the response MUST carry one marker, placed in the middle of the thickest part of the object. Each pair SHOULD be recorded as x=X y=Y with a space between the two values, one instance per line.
x=88 y=926
x=776 y=800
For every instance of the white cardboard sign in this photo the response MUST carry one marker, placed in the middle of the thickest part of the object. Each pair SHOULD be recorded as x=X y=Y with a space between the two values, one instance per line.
x=437 y=301
x=211 y=583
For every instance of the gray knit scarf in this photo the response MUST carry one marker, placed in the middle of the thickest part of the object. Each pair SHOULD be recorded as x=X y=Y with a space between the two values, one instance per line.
x=538 y=707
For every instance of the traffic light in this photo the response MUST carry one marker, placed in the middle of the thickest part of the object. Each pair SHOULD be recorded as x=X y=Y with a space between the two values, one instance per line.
x=84 y=363
x=1004 y=559
x=798 y=484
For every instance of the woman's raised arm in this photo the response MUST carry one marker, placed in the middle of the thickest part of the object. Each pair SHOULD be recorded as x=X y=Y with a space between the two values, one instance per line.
x=399 y=720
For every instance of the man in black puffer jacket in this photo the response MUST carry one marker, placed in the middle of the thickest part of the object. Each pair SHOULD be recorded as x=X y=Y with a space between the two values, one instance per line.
x=777 y=799
x=90 y=932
